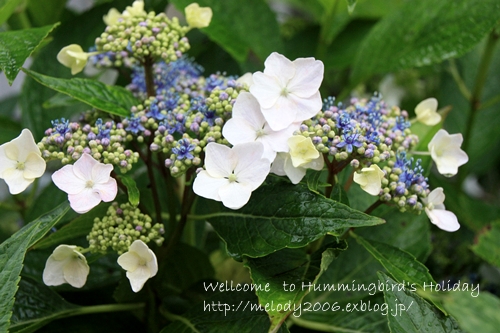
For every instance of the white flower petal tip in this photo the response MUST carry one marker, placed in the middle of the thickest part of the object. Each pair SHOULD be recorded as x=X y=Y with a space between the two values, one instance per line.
x=72 y=56
x=426 y=112
x=446 y=153
x=435 y=210
x=246 y=78
x=111 y=18
x=198 y=17
x=21 y=162
x=140 y=263
x=370 y=179
x=288 y=91
x=66 y=265
x=283 y=166
x=87 y=182
x=137 y=9
x=231 y=174
x=302 y=150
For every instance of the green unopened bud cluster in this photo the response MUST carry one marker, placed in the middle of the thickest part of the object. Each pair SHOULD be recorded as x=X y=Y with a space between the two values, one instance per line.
x=122 y=225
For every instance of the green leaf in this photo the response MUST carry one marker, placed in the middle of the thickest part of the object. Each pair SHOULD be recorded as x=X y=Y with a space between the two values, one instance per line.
x=59 y=100
x=283 y=215
x=409 y=313
x=239 y=312
x=423 y=33
x=17 y=46
x=46 y=12
x=7 y=7
x=113 y=99
x=478 y=313
x=289 y=274
x=487 y=246
x=256 y=31
x=12 y=253
x=338 y=194
x=132 y=190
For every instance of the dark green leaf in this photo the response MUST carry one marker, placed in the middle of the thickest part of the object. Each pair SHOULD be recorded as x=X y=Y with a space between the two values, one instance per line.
x=7 y=7
x=113 y=99
x=17 y=46
x=12 y=253
x=339 y=195
x=409 y=313
x=132 y=190
x=487 y=246
x=255 y=30
x=423 y=33
x=290 y=274
x=61 y=100
x=46 y=12
x=283 y=215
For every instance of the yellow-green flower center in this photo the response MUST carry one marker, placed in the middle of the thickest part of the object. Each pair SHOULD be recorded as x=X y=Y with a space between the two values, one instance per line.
x=20 y=166
x=232 y=177
x=89 y=184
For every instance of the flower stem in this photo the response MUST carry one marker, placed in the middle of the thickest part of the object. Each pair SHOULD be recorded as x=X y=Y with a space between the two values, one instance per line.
x=458 y=80
x=148 y=74
x=154 y=189
x=373 y=206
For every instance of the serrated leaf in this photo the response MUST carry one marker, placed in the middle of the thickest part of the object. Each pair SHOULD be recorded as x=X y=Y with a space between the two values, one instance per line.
x=112 y=99
x=283 y=215
x=17 y=46
x=256 y=30
x=409 y=313
x=423 y=33
x=132 y=190
x=487 y=246
x=7 y=7
x=12 y=253
x=290 y=274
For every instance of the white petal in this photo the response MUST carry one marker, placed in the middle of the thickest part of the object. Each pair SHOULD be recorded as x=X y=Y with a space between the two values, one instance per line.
x=53 y=272
x=84 y=201
x=142 y=250
x=138 y=277
x=107 y=191
x=294 y=174
x=282 y=114
x=251 y=169
x=129 y=261
x=443 y=219
x=26 y=145
x=308 y=77
x=16 y=181
x=66 y=180
x=76 y=270
x=426 y=112
x=83 y=167
x=248 y=108
x=219 y=160
x=278 y=167
x=280 y=67
x=235 y=195
x=101 y=173
x=238 y=130
x=34 y=167
x=278 y=139
x=266 y=89
x=436 y=197
x=207 y=186
x=307 y=108
x=6 y=162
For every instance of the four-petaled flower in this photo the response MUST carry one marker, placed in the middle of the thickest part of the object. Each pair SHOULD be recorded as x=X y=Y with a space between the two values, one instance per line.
x=302 y=150
x=435 y=210
x=446 y=153
x=288 y=91
x=87 y=182
x=21 y=162
x=231 y=174
x=426 y=112
x=198 y=17
x=72 y=56
x=370 y=179
x=140 y=263
x=247 y=124
x=66 y=265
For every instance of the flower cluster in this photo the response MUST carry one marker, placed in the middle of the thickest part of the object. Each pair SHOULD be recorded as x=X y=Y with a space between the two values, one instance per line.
x=122 y=225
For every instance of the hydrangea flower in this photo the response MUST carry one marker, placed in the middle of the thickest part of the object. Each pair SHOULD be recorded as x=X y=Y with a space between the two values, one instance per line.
x=66 y=265
x=231 y=174
x=446 y=153
x=302 y=150
x=288 y=91
x=140 y=263
x=247 y=124
x=87 y=182
x=426 y=112
x=435 y=210
x=137 y=9
x=111 y=17
x=370 y=179
x=283 y=166
x=72 y=56
x=198 y=17
x=21 y=162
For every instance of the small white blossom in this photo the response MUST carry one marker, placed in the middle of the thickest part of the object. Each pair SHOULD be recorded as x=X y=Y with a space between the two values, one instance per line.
x=231 y=174
x=426 y=112
x=446 y=153
x=87 y=182
x=140 y=263
x=21 y=162
x=283 y=166
x=370 y=179
x=137 y=9
x=302 y=150
x=198 y=17
x=435 y=210
x=111 y=17
x=72 y=56
x=288 y=91
x=66 y=265
x=247 y=124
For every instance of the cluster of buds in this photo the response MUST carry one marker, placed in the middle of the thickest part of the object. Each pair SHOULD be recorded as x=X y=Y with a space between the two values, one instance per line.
x=104 y=141
x=122 y=225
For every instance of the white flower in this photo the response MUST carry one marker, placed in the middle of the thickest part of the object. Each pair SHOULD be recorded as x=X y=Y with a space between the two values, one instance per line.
x=198 y=17
x=20 y=162
x=72 y=56
x=370 y=179
x=302 y=150
x=246 y=78
x=446 y=153
x=247 y=125
x=140 y=263
x=283 y=166
x=232 y=173
x=66 y=265
x=288 y=91
x=435 y=210
x=111 y=17
x=87 y=182
x=137 y=9
x=426 y=112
